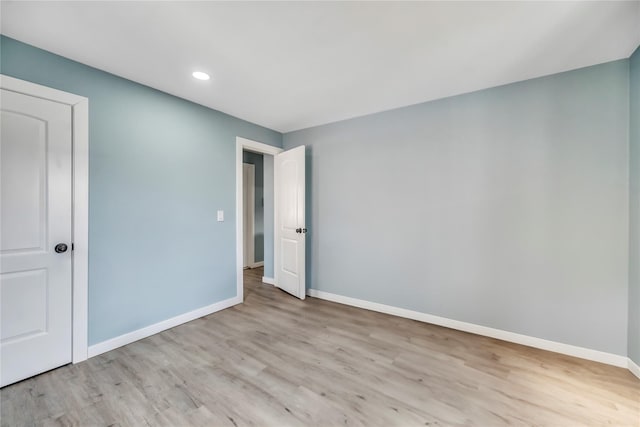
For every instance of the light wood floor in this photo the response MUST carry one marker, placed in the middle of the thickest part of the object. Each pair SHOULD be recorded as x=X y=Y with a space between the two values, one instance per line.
x=278 y=361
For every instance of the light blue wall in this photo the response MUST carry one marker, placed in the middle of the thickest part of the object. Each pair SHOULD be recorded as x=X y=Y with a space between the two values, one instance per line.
x=506 y=207
x=160 y=167
x=634 y=210
x=258 y=220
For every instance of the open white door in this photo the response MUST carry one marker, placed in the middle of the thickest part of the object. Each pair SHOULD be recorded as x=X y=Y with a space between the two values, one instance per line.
x=290 y=228
x=35 y=241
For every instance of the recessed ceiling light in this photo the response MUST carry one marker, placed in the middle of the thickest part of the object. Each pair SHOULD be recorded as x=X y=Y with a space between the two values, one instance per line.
x=200 y=75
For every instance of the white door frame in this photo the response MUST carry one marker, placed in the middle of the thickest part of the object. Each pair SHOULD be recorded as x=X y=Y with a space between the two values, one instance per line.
x=243 y=144
x=80 y=210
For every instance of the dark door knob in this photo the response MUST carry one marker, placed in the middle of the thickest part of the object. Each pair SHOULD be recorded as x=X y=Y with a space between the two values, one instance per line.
x=298 y=230
x=61 y=247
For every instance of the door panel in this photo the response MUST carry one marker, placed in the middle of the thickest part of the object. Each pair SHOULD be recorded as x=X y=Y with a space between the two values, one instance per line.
x=35 y=215
x=290 y=221
x=23 y=305
x=23 y=206
x=290 y=208
x=290 y=256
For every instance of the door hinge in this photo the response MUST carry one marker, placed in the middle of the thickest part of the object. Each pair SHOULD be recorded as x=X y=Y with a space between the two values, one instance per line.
x=72 y=246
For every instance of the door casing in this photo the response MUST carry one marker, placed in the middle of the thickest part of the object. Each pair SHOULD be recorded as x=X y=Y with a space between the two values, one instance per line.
x=243 y=144
x=80 y=202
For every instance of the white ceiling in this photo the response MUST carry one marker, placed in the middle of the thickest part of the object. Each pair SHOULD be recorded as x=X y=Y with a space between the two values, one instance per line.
x=292 y=65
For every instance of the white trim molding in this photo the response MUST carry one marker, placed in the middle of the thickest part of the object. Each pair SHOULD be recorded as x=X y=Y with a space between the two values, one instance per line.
x=80 y=230
x=557 y=347
x=80 y=213
x=257 y=264
x=243 y=144
x=634 y=368
x=269 y=280
x=147 y=331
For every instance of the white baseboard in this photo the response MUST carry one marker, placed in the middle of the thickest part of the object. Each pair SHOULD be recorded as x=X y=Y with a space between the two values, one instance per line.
x=257 y=264
x=571 y=350
x=268 y=280
x=147 y=331
x=634 y=368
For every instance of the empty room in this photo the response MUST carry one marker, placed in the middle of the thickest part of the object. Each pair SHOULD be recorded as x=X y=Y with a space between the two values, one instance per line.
x=319 y=213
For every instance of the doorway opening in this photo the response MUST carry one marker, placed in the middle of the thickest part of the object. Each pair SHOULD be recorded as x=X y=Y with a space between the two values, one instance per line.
x=284 y=233
x=253 y=216
x=257 y=222
x=254 y=213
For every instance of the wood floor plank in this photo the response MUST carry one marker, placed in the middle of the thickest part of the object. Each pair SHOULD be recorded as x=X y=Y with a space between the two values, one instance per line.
x=279 y=361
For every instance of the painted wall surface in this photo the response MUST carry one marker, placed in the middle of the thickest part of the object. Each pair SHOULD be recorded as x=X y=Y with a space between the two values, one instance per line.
x=269 y=220
x=506 y=208
x=258 y=202
x=634 y=209
x=160 y=168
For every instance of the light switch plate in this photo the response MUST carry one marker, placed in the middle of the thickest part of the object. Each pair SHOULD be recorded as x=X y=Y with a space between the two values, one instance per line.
x=220 y=216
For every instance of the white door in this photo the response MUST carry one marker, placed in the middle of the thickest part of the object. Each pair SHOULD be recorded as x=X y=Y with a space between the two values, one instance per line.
x=290 y=230
x=248 y=191
x=35 y=217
